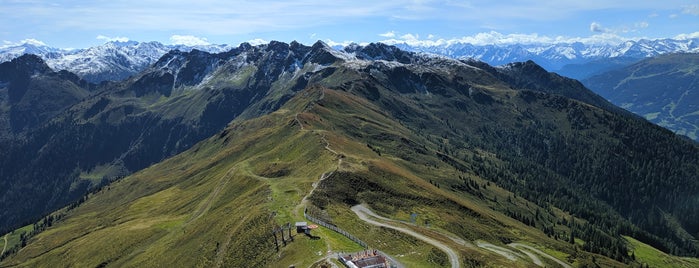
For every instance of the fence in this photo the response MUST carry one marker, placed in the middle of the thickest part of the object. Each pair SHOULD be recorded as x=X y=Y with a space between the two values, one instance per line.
x=394 y=262
x=334 y=228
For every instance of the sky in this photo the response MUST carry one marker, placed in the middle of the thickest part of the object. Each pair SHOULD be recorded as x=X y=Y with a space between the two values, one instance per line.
x=85 y=23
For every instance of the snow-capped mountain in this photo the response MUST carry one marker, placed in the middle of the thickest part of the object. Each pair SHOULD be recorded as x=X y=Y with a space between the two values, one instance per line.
x=555 y=56
x=10 y=52
x=112 y=61
x=118 y=60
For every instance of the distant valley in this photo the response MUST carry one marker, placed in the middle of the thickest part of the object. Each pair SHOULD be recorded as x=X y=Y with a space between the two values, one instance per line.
x=662 y=89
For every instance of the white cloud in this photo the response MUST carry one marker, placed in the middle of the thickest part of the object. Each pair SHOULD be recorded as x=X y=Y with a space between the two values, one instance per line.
x=410 y=37
x=691 y=10
x=390 y=34
x=496 y=38
x=603 y=38
x=33 y=41
x=30 y=41
x=687 y=36
x=673 y=16
x=257 y=41
x=430 y=36
x=188 y=40
x=642 y=25
x=332 y=43
x=596 y=27
x=112 y=39
x=246 y=19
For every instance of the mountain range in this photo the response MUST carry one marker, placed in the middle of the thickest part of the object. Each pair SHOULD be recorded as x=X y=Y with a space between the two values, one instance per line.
x=556 y=57
x=111 y=61
x=115 y=60
x=194 y=160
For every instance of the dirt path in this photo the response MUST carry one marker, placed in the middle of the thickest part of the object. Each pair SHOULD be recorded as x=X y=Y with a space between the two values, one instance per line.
x=323 y=176
x=206 y=205
x=507 y=253
x=4 y=246
x=529 y=254
x=366 y=215
x=327 y=145
x=459 y=240
x=296 y=118
x=314 y=186
x=541 y=253
x=302 y=204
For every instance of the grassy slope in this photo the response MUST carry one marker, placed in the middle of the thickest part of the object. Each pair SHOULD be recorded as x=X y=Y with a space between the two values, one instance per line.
x=177 y=211
x=215 y=204
x=398 y=188
x=652 y=257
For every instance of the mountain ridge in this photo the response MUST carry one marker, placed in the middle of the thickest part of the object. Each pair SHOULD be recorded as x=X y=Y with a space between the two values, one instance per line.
x=121 y=127
x=115 y=61
x=111 y=61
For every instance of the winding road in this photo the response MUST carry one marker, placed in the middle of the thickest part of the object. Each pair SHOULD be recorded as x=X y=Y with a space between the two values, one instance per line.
x=507 y=253
x=537 y=251
x=366 y=215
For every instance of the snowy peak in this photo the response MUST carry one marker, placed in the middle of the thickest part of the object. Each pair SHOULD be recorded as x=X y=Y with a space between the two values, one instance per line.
x=554 y=56
x=111 y=61
x=117 y=61
x=380 y=51
x=9 y=53
x=182 y=70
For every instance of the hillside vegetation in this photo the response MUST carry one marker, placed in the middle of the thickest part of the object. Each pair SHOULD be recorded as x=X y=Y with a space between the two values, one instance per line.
x=508 y=167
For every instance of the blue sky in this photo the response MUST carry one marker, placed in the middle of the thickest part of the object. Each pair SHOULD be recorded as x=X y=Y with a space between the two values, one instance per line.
x=84 y=23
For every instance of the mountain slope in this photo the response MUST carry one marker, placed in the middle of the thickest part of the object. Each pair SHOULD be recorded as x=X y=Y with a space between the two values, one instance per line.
x=214 y=205
x=664 y=90
x=31 y=94
x=124 y=127
x=202 y=197
x=479 y=161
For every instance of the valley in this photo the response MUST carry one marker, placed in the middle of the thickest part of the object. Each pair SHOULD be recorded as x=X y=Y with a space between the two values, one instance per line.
x=662 y=89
